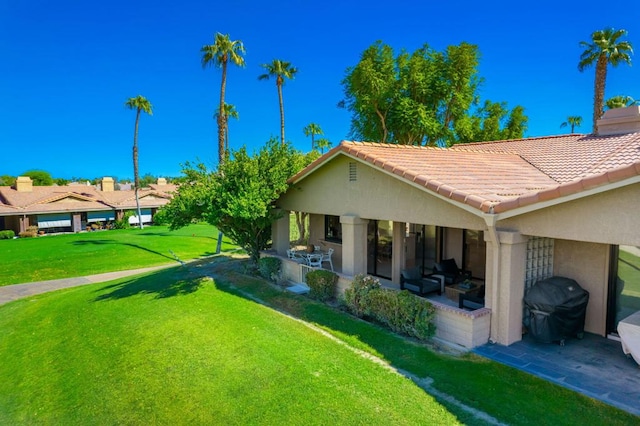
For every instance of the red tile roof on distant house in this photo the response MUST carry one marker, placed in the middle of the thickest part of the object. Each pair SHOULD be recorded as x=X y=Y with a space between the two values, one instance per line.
x=68 y=198
x=495 y=177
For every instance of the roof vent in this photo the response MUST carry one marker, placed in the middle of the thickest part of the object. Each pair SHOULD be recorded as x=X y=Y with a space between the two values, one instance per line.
x=620 y=120
x=353 y=172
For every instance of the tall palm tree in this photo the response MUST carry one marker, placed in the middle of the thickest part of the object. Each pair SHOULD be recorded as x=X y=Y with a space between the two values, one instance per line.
x=311 y=130
x=620 y=101
x=139 y=103
x=222 y=52
x=280 y=70
x=604 y=48
x=573 y=121
x=229 y=112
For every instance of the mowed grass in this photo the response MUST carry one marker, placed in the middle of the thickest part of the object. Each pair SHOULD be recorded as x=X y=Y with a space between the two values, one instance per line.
x=174 y=347
x=72 y=255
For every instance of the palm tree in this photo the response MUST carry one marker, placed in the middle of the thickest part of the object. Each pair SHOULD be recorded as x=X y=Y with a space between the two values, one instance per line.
x=573 y=121
x=311 y=130
x=220 y=53
x=229 y=112
x=604 y=48
x=620 y=101
x=139 y=103
x=280 y=70
x=323 y=143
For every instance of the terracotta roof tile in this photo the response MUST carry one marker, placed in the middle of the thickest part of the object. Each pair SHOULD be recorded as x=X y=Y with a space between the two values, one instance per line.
x=503 y=175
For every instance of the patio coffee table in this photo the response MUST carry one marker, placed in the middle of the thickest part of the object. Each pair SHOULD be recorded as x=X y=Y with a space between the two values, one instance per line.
x=453 y=291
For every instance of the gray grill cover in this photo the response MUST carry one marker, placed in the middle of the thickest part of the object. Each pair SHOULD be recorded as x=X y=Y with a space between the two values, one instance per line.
x=557 y=308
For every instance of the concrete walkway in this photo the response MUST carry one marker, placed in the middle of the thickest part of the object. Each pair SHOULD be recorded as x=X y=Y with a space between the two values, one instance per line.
x=13 y=292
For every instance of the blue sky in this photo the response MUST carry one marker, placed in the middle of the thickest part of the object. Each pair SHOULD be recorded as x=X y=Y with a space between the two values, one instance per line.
x=69 y=66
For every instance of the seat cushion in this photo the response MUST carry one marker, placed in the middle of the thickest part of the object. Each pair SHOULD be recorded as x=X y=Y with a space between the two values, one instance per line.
x=448 y=266
x=412 y=273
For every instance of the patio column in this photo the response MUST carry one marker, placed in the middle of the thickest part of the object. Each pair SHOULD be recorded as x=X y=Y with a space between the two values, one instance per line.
x=398 y=254
x=316 y=228
x=506 y=302
x=354 y=245
x=280 y=233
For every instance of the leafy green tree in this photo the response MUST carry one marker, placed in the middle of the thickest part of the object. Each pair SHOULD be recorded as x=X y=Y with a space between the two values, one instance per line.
x=620 y=101
x=6 y=180
x=280 y=70
x=573 y=121
x=229 y=112
x=424 y=98
x=370 y=89
x=140 y=104
x=39 y=177
x=323 y=144
x=239 y=198
x=222 y=52
x=312 y=129
x=604 y=48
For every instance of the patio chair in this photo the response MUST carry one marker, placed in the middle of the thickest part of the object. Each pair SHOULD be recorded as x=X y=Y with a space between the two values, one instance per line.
x=314 y=260
x=293 y=255
x=472 y=301
x=411 y=279
x=327 y=258
x=448 y=268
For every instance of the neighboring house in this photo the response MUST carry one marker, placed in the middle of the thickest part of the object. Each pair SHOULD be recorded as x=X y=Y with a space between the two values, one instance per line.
x=73 y=208
x=513 y=212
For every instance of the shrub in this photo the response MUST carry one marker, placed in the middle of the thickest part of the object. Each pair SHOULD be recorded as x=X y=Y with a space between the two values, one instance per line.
x=400 y=311
x=28 y=234
x=161 y=217
x=124 y=222
x=356 y=295
x=269 y=267
x=7 y=235
x=322 y=284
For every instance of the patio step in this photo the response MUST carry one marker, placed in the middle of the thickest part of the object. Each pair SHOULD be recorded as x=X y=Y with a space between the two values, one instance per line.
x=299 y=288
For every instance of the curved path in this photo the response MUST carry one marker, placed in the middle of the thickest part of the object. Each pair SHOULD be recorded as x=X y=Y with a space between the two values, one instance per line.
x=13 y=292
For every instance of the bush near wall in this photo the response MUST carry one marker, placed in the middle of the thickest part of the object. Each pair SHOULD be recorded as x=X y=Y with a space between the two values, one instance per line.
x=322 y=284
x=400 y=311
x=7 y=235
x=30 y=232
x=269 y=267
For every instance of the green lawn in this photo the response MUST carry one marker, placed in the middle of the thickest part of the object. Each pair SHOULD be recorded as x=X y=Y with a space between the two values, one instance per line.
x=72 y=255
x=175 y=348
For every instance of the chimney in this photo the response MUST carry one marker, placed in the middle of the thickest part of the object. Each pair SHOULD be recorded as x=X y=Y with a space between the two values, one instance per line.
x=24 y=184
x=107 y=185
x=162 y=181
x=620 y=120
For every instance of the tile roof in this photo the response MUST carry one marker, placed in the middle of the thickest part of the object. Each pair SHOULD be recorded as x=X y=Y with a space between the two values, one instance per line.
x=71 y=198
x=495 y=177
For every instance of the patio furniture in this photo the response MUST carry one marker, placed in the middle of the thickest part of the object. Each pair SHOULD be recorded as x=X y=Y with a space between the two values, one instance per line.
x=472 y=300
x=326 y=257
x=411 y=279
x=295 y=256
x=629 y=331
x=448 y=268
x=453 y=292
x=314 y=260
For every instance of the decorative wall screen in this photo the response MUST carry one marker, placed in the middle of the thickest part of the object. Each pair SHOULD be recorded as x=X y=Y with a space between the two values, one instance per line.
x=539 y=260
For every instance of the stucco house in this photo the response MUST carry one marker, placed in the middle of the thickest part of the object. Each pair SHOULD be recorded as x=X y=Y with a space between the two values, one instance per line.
x=512 y=212
x=73 y=208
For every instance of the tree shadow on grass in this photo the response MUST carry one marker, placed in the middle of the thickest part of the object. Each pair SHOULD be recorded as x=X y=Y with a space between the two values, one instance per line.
x=166 y=283
x=106 y=241
x=170 y=282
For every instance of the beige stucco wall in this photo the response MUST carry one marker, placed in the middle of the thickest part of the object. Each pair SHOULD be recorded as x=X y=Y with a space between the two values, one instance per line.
x=374 y=195
x=588 y=264
x=612 y=218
